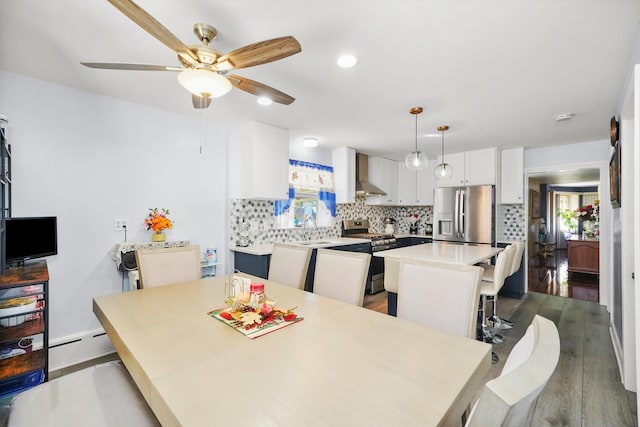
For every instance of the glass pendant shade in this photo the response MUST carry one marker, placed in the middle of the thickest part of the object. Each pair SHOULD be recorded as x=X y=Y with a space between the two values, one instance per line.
x=204 y=82
x=416 y=160
x=443 y=170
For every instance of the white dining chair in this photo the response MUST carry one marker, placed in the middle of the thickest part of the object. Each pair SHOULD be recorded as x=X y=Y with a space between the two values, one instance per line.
x=341 y=275
x=489 y=290
x=440 y=295
x=516 y=259
x=157 y=267
x=505 y=401
x=102 y=396
x=289 y=264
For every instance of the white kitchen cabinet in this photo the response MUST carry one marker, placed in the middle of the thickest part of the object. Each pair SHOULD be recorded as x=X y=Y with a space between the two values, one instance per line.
x=512 y=176
x=383 y=173
x=344 y=174
x=477 y=167
x=415 y=188
x=259 y=162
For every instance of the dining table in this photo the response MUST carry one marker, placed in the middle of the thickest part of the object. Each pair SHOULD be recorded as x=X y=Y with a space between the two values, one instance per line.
x=439 y=251
x=338 y=365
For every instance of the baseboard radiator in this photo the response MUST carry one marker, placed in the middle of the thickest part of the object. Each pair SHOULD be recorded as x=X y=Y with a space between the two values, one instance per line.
x=78 y=348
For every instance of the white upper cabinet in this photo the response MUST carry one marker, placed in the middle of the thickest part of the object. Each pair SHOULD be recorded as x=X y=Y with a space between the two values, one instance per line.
x=512 y=176
x=415 y=188
x=383 y=173
x=258 y=162
x=477 y=167
x=344 y=174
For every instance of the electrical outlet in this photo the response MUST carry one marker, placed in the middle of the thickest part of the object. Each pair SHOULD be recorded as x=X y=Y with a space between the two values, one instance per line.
x=119 y=224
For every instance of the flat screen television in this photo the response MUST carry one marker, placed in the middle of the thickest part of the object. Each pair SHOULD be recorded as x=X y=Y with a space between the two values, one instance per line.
x=27 y=238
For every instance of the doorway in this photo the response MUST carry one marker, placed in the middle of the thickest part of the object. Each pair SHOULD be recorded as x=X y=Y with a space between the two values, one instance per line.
x=554 y=200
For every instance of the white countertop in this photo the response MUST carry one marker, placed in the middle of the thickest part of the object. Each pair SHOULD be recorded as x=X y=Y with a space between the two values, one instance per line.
x=444 y=252
x=267 y=248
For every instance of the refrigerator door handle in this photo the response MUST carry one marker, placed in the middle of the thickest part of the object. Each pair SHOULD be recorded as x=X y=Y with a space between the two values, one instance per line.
x=456 y=227
x=461 y=220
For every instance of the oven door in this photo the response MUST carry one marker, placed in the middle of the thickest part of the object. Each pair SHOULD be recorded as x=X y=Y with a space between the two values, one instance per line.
x=376 y=271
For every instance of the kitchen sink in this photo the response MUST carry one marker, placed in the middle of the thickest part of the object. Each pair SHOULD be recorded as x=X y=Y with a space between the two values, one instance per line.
x=320 y=242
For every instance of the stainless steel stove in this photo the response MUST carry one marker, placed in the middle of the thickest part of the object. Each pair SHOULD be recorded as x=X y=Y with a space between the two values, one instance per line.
x=359 y=228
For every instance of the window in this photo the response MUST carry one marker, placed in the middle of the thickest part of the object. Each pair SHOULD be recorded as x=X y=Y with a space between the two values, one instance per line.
x=312 y=199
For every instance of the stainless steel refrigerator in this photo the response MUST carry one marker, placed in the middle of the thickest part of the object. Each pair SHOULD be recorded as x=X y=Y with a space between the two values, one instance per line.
x=464 y=214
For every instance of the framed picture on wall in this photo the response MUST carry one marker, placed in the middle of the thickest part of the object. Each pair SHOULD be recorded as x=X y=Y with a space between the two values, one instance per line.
x=534 y=204
x=614 y=177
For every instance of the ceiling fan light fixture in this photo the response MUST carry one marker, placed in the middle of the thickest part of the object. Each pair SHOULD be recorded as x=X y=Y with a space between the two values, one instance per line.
x=203 y=82
x=443 y=170
x=263 y=100
x=346 y=61
x=416 y=160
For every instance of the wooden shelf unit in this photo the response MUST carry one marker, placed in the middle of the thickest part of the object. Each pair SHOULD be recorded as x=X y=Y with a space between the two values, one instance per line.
x=35 y=275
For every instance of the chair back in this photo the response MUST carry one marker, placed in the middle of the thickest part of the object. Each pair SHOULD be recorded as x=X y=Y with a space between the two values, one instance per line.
x=289 y=264
x=341 y=275
x=517 y=257
x=391 y=271
x=104 y=395
x=506 y=400
x=158 y=267
x=501 y=270
x=439 y=295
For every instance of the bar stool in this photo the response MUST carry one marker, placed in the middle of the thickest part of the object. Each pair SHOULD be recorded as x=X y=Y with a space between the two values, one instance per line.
x=490 y=289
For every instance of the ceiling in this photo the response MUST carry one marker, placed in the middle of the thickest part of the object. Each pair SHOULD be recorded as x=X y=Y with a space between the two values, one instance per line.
x=496 y=72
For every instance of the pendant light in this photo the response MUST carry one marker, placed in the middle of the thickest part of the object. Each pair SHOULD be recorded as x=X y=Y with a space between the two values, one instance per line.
x=416 y=160
x=443 y=170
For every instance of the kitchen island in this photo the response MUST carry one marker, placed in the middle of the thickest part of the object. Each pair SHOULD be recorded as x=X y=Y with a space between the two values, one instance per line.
x=453 y=253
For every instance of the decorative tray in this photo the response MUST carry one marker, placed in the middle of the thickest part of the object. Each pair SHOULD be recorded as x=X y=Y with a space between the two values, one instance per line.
x=254 y=323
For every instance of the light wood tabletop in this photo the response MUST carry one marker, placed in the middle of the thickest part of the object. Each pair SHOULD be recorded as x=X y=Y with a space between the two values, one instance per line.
x=341 y=365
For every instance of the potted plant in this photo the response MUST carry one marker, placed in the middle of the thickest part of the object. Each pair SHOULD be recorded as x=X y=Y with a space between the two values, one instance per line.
x=568 y=218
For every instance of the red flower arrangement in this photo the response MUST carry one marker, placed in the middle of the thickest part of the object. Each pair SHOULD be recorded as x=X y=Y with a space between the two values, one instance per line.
x=588 y=212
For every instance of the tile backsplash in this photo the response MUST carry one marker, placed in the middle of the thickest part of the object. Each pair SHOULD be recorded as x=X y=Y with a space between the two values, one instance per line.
x=259 y=215
x=511 y=222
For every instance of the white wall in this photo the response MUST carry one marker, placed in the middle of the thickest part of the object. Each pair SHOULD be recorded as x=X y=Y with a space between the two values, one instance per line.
x=584 y=152
x=88 y=159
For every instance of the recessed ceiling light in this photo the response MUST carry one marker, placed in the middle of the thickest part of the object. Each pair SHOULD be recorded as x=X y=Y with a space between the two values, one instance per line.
x=310 y=142
x=563 y=117
x=263 y=100
x=347 y=61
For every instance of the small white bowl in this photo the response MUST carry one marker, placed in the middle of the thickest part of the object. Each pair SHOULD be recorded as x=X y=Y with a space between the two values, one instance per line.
x=11 y=311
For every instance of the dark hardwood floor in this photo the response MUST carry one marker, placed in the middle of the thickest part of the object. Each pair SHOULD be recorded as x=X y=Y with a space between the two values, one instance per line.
x=549 y=275
x=585 y=389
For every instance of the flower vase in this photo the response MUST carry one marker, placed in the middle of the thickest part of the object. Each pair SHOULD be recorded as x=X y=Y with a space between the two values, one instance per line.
x=158 y=237
x=589 y=227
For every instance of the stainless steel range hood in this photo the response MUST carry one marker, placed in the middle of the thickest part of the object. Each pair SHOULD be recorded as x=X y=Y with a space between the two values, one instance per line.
x=363 y=186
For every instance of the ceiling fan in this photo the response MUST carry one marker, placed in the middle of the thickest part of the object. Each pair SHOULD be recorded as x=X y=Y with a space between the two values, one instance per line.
x=204 y=71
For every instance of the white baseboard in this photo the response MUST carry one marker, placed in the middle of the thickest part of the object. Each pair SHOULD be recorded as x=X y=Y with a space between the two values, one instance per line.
x=78 y=348
x=617 y=349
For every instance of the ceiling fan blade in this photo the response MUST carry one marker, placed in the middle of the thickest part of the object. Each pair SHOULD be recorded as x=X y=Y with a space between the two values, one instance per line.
x=200 y=101
x=259 y=53
x=134 y=67
x=155 y=28
x=259 y=89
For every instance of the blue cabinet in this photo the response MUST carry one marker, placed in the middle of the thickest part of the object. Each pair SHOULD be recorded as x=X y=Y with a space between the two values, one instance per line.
x=256 y=265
